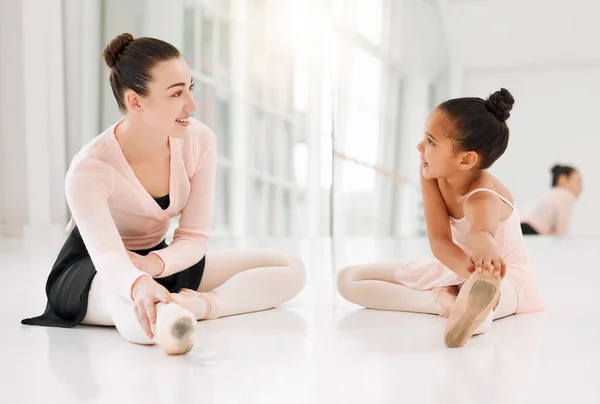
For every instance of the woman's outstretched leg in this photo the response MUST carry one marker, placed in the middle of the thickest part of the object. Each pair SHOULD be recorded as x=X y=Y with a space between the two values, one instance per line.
x=237 y=282
x=173 y=330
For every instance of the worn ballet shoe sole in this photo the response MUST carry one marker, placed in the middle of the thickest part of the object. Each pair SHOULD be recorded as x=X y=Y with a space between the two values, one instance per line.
x=472 y=307
x=176 y=333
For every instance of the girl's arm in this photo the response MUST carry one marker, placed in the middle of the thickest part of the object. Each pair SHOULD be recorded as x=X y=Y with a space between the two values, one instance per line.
x=483 y=214
x=438 y=230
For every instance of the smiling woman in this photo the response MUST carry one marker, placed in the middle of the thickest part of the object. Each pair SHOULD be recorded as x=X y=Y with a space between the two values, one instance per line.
x=124 y=187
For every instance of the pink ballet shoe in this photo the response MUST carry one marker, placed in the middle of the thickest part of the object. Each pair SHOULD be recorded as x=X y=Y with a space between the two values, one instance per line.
x=175 y=327
x=188 y=299
x=477 y=297
x=485 y=325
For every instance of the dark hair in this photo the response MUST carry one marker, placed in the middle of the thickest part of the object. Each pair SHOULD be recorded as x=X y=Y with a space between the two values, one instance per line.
x=558 y=171
x=480 y=125
x=130 y=61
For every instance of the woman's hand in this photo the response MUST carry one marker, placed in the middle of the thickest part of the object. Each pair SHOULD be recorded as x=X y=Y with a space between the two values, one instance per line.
x=150 y=264
x=146 y=293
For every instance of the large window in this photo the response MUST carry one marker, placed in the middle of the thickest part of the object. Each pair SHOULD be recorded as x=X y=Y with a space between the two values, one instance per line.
x=363 y=71
x=207 y=49
x=253 y=65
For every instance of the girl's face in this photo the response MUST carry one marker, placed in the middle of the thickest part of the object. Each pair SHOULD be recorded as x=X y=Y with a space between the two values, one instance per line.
x=437 y=149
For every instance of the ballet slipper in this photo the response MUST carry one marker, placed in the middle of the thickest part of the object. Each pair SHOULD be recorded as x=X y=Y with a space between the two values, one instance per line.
x=478 y=295
x=497 y=301
x=175 y=327
x=188 y=299
x=486 y=325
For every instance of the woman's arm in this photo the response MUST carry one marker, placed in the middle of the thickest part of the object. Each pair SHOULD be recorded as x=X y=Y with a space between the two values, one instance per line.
x=190 y=238
x=88 y=187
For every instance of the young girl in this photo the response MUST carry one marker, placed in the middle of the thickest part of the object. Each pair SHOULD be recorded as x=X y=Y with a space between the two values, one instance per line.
x=552 y=214
x=123 y=189
x=482 y=271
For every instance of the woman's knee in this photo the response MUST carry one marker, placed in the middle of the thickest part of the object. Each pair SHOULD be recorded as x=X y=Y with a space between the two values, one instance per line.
x=346 y=276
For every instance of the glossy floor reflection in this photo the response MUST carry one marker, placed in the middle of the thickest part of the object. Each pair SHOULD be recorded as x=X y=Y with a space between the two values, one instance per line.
x=317 y=348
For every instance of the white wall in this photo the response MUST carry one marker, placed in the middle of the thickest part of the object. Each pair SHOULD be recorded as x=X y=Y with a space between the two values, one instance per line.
x=547 y=53
x=122 y=17
x=32 y=128
x=507 y=33
x=49 y=106
x=554 y=120
x=13 y=193
x=83 y=49
x=44 y=113
x=422 y=44
x=154 y=18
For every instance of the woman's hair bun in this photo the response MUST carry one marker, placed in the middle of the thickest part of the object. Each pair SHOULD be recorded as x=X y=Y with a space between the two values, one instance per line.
x=115 y=48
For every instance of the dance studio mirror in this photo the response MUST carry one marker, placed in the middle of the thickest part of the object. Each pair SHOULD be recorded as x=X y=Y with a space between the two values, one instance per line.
x=398 y=60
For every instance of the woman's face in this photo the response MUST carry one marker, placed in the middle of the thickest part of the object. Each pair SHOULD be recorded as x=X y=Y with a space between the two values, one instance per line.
x=573 y=183
x=170 y=100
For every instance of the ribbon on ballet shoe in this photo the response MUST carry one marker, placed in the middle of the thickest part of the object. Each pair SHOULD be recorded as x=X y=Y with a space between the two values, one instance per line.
x=212 y=304
x=211 y=313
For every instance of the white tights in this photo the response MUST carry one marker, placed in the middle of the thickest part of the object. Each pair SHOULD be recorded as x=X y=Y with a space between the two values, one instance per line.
x=236 y=281
x=374 y=286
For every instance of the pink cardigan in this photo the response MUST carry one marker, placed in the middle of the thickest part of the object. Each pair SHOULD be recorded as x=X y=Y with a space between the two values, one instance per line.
x=115 y=213
x=552 y=214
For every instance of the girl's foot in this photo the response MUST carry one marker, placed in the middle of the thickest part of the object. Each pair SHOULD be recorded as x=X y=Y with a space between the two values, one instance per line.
x=475 y=301
x=485 y=325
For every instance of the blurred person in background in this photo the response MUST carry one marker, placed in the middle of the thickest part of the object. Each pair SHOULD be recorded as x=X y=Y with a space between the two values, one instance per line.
x=552 y=213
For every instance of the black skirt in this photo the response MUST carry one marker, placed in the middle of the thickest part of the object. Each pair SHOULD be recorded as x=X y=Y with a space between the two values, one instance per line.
x=70 y=280
x=528 y=230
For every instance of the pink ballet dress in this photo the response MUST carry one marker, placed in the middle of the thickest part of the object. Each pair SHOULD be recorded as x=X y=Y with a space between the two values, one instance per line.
x=426 y=274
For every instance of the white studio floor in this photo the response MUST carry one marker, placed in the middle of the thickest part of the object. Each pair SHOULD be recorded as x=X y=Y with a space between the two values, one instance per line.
x=317 y=348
